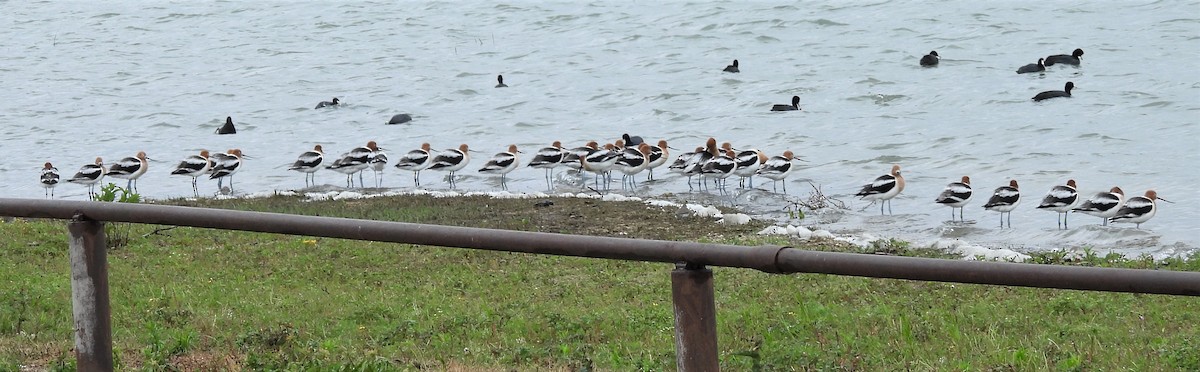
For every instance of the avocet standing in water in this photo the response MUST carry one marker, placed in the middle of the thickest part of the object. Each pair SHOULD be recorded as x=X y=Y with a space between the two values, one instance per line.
x=224 y=166
x=501 y=164
x=416 y=161
x=1004 y=200
x=1061 y=199
x=956 y=195
x=1104 y=205
x=130 y=169
x=194 y=166
x=1138 y=209
x=308 y=163
x=451 y=160
x=777 y=168
x=90 y=175
x=884 y=188
x=49 y=179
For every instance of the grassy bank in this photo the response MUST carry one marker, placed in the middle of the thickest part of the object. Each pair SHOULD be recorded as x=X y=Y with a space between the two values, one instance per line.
x=199 y=299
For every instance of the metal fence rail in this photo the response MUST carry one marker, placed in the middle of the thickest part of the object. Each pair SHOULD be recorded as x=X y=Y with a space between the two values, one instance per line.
x=695 y=320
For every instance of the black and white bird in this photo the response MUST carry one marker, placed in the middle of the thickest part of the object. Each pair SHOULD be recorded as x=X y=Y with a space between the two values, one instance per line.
x=931 y=59
x=194 y=166
x=90 y=175
x=130 y=169
x=228 y=127
x=1138 y=209
x=501 y=164
x=416 y=161
x=956 y=195
x=1104 y=205
x=777 y=168
x=451 y=160
x=1074 y=59
x=309 y=163
x=354 y=161
x=1004 y=200
x=721 y=167
x=658 y=156
x=884 y=188
x=224 y=165
x=49 y=179
x=601 y=162
x=1061 y=199
x=547 y=158
x=632 y=161
x=377 y=161
x=749 y=161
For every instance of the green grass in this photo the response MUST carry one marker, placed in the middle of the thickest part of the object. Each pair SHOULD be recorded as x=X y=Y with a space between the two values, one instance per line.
x=200 y=299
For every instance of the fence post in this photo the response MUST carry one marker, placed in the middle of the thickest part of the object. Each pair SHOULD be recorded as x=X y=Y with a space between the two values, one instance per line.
x=695 y=318
x=89 y=295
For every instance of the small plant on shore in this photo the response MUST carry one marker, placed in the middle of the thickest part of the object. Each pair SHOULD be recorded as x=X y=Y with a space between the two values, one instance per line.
x=117 y=233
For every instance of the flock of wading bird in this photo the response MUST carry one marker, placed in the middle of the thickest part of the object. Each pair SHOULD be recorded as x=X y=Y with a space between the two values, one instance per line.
x=631 y=156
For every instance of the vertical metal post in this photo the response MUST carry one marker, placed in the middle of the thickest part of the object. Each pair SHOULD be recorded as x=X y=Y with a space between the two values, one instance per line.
x=89 y=295
x=695 y=318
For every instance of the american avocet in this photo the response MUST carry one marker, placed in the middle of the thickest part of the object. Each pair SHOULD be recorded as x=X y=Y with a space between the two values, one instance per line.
x=1074 y=59
x=1138 y=209
x=930 y=60
x=416 y=161
x=1004 y=200
x=500 y=82
x=1066 y=92
x=696 y=167
x=631 y=162
x=1061 y=199
x=721 y=167
x=130 y=169
x=733 y=67
x=308 y=163
x=884 y=188
x=658 y=156
x=378 y=161
x=795 y=106
x=355 y=161
x=1032 y=67
x=1104 y=205
x=577 y=154
x=683 y=161
x=956 y=195
x=228 y=127
x=90 y=175
x=749 y=161
x=49 y=179
x=502 y=163
x=601 y=162
x=332 y=103
x=224 y=166
x=777 y=168
x=547 y=158
x=451 y=160
x=194 y=166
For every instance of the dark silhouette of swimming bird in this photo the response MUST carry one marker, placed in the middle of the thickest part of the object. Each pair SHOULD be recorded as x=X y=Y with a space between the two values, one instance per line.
x=795 y=106
x=400 y=119
x=931 y=59
x=733 y=67
x=334 y=102
x=632 y=141
x=1066 y=92
x=500 y=80
x=1033 y=67
x=228 y=127
x=1074 y=59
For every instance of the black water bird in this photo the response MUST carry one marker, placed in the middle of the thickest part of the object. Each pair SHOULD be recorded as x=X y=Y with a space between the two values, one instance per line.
x=1033 y=67
x=228 y=127
x=334 y=102
x=1074 y=59
x=500 y=80
x=733 y=67
x=931 y=59
x=1066 y=92
x=400 y=119
x=795 y=106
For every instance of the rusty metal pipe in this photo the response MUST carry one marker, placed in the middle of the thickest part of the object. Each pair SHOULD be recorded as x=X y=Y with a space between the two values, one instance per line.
x=768 y=258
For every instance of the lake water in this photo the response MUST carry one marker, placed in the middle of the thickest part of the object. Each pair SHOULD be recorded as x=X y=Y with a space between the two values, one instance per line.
x=110 y=79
